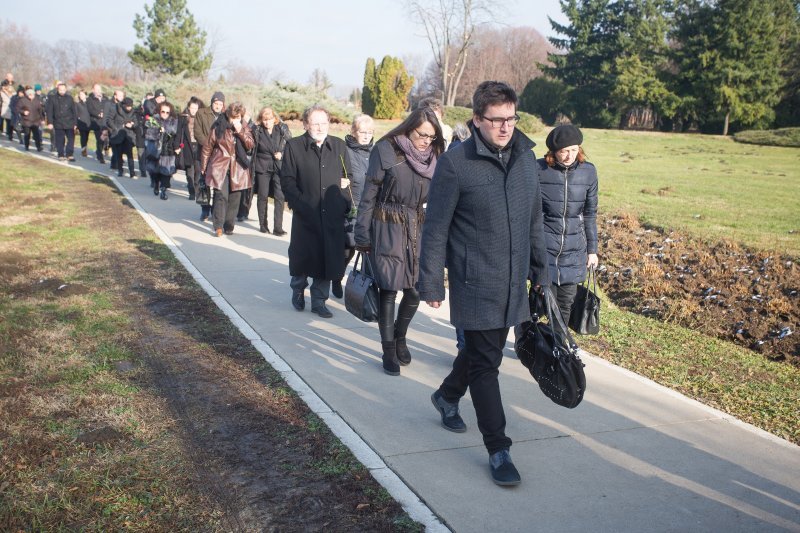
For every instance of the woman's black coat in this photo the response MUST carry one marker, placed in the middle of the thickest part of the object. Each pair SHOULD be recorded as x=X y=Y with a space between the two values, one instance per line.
x=570 y=226
x=266 y=145
x=310 y=179
x=390 y=217
x=117 y=126
x=185 y=159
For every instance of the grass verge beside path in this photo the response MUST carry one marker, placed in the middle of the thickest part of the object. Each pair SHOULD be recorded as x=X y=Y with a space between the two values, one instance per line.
x=715 y=372
x=129 y=401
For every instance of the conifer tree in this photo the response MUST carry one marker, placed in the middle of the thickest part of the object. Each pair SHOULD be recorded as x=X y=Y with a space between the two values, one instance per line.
x=386 y=88
x=172 y=43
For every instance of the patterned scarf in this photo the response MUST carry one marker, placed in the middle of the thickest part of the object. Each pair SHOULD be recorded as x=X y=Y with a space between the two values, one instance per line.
x=423 y=163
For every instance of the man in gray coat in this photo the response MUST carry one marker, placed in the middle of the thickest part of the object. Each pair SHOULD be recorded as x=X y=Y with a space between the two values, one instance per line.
x=484 y=222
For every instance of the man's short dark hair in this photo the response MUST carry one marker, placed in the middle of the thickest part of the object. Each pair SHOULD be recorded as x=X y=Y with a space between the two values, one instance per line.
x=432 y=102
x=491 y=93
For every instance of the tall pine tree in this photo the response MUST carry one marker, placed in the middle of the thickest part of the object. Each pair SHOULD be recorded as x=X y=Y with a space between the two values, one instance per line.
x=729 y=55
x=172 y=43
x=386 y=88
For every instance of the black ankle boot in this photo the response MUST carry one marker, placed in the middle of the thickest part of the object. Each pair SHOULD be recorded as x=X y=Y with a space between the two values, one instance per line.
x=403 y=355
x=390 y=364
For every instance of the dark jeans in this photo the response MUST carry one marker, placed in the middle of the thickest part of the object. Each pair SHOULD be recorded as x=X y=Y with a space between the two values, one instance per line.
x=565 y=295
x=245 y=201
x=408 y=307
x=160 y=180
x=320 y=288
x=476 y=367
x=100 y=144
x=142 y=161
x=84 y=137
x=9 y=127
x=37 y=136
x=65 y=141
x=263 y=182
x=193 y=172
x=226 y=205
x=124 y=148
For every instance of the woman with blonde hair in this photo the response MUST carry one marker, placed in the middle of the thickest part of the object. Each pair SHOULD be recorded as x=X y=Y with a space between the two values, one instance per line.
x=270 y=136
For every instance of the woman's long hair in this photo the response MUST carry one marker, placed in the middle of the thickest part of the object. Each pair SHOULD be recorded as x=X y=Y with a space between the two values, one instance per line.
x=414 y=120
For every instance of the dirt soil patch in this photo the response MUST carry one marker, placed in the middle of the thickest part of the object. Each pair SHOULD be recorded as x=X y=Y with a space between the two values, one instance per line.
x=749 y=297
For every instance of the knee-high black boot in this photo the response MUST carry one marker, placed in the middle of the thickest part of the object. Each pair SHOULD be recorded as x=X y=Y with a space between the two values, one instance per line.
x=406 y=311
x=386 y=327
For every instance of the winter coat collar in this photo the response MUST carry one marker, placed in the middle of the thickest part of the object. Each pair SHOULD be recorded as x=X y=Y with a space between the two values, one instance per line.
x=518 y=144
x=309 y=142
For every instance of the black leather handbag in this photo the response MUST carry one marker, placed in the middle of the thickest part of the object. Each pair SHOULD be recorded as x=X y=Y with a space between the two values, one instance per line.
x=584 y=318
x=361 y=291
x=549 y=353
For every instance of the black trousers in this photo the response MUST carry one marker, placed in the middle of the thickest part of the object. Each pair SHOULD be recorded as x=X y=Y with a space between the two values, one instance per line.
x=124 y=148
x=565 y=296
x=36 y=131
x=100 y=145
x=226 y=205
x=193 y=172
x=263 y=182
x=245 y=201
x=9 y=127
x=65 y=141
x=160 y=180
x=84 y=136
x=142 y=161
x=389 y=329
x=477 y=367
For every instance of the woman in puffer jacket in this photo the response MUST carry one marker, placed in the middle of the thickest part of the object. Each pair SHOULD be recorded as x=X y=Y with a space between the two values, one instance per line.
x=569 y=201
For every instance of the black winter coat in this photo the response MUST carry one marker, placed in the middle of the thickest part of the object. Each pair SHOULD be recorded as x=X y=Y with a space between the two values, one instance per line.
x=186 y=158
x=266 y=145
x=359 y=159
x=84 y=120
x=96 y=108
x=390 y=217
x=310 y=179
x=61 y=112
x=570 y=226
x=484 y=221
x=119 y=130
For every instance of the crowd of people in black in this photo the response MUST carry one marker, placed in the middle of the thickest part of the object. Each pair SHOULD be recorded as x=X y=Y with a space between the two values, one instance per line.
x=424 y=197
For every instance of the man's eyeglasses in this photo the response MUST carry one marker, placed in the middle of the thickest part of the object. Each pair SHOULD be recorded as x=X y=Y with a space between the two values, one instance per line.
x=365 y=132
x=425 y=136
x=498 y=122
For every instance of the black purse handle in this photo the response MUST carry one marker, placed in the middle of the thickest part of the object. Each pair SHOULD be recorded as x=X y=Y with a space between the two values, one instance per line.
x=366 y=263
x=592 y=275
x=554 y=318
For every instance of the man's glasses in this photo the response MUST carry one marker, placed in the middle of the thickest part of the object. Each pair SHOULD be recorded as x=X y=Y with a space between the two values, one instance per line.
x=498 y=122
x=365 y=132
x=425 y=136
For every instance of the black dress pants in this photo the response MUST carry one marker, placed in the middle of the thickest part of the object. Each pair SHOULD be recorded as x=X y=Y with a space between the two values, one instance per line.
x=36 y=131
x=124 y=148
x=65 y=141
x=226 y=205
x=265 y=180
x=387 y=326
x=565 y=296
x=84 y=136
x=477 y=367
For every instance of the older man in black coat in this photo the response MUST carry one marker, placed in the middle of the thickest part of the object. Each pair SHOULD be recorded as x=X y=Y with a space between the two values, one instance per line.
x=315 y=168
x=62 y=117
x=484 y=221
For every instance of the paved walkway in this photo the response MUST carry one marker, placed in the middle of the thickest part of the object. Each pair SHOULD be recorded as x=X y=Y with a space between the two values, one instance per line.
x=634 y=456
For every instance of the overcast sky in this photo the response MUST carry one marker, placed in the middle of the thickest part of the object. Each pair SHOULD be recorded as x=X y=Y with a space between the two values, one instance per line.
x=290 y=37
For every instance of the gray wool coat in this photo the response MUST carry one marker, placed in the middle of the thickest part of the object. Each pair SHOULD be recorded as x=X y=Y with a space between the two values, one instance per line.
x=484 y=222
x=390 y=217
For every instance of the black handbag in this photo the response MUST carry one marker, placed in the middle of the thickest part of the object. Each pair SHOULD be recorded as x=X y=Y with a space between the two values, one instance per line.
x=584 y=318
x=202 y=192
x=361 y=291
x=549 y=353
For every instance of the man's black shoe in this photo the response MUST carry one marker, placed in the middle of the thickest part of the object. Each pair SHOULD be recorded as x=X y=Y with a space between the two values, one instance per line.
x=321 y=310
x=279 y=233
x=336 y=288
x=504 y=473
x=451 y=420
x=298 y=300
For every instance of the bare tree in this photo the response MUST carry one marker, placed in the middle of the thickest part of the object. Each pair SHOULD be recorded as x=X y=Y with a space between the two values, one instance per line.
x=450 y=26
x=319 y=80
x=238 y=72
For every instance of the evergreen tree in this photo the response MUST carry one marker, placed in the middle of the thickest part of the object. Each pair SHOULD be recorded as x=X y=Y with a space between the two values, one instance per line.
x=370 y=88
x=386 y=88
x=172 y=43
x=545 y=98
x=729 y=57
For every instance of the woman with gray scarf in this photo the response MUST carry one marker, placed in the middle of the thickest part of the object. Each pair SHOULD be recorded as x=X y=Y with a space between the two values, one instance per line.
x=389 y=223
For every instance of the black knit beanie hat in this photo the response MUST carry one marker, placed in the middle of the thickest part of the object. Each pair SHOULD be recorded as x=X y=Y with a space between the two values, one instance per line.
x=563 y=136
x=218 y=96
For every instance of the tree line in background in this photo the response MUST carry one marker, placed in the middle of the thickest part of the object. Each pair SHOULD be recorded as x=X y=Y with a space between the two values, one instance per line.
x=673 y=65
